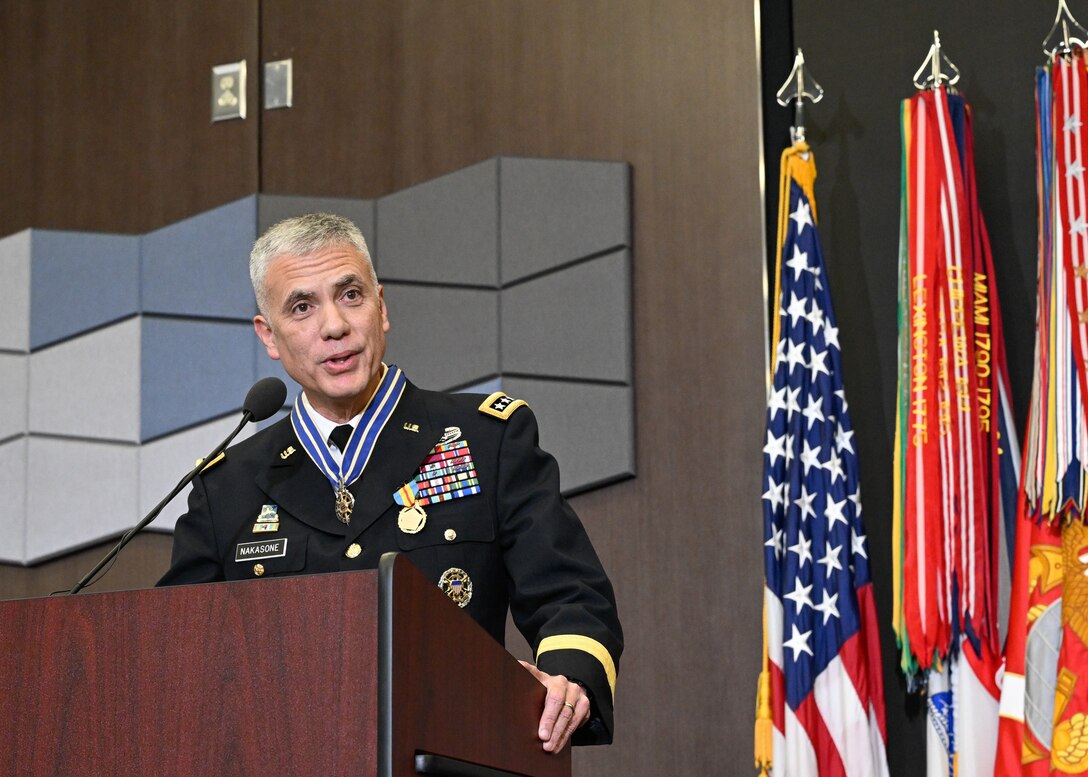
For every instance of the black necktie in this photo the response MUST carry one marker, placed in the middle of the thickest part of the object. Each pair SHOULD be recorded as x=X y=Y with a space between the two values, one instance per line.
x=340 y=436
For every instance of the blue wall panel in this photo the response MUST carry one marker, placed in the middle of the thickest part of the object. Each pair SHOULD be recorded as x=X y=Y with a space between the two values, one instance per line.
x=192 y=371
x=200 y=266
x=79 y=281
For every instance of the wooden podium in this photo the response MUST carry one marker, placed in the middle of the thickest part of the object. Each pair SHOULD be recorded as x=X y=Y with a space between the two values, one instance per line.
x=356 y=673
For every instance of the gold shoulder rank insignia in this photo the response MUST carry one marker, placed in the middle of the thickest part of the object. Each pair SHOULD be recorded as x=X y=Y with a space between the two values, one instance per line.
x=501 y=406
x=211 y=463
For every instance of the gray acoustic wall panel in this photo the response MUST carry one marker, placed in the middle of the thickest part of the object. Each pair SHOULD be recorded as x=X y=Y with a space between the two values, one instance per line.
x=80 y=281
x=15 y=312
x=13 y=461
x=588 y=428
x=574 y=323
x=14 y=369
x=97 y=499
x=488 y=387
x=555 y=211
x=163 y=462
x=193 y=371
x=200 y=266
x=442 y=337
x=89 y=386
x=442 y=231
x=276 y=207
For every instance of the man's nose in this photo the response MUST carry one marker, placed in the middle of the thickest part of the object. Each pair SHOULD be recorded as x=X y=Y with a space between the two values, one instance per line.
x=333 y=323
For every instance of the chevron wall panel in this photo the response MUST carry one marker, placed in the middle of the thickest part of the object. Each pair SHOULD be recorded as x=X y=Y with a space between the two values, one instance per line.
x=555 y=212
x=15 y=312
x=442 y=231
x=13 y=516
x=14 y=377
x=81 y=281
x=89 y=386
x=443 y=338
x=94 y=499
x=197 y=267
x=588 y=427
x=594 y=298
x=124 y=358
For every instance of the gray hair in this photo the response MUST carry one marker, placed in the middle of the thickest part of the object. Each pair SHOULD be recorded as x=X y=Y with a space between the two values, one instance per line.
x=300 y=236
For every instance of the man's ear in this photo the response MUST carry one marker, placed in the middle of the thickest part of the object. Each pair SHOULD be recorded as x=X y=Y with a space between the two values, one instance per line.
x=266 y=336
x=384 y=308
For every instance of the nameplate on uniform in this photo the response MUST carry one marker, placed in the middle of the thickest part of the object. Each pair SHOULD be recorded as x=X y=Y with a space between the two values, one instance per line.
x=247 y=551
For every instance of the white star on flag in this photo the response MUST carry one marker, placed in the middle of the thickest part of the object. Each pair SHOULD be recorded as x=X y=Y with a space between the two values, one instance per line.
x=798 y=643
x=818 y=364
x=792 y=405
x=796 y=355
x=842 y=439
x=834 y=514
x=827 y=607
x=831 y=335
x=831 y=558
x=796 y=309
x=776 y=401
x=802 y=217
x=799 y=262
x=773 y=494
x=799 y=596
x=857 y=544
x=804 y=502
x=775 y=447
x=810 y=456
x=776 y=543
x=833 y=465
x=812 y=411
x=803 y=549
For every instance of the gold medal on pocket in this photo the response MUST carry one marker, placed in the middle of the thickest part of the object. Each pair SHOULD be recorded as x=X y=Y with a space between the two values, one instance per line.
x=412 y=516
x=412 y=519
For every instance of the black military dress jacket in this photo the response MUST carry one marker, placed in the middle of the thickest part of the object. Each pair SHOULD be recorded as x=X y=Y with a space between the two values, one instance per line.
x=517 y=541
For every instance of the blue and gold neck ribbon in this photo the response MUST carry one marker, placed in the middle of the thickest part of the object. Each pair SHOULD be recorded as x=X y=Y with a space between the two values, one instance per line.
x=360 y=445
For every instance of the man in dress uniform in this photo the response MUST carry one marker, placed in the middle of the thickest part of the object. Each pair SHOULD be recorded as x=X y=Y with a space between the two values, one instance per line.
x=367 y=463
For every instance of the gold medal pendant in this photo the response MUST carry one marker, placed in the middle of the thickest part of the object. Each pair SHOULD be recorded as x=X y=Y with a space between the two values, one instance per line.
x=412 y=519
x=345 y=500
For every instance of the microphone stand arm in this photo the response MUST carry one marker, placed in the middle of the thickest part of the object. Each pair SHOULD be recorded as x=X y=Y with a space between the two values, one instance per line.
x=151 y=516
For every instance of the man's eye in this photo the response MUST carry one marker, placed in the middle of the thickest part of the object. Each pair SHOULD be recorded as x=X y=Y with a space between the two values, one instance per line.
x=301 y=307
x=352 y=294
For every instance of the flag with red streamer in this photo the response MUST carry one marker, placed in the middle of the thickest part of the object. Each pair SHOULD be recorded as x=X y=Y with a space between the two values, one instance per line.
x=954 y=439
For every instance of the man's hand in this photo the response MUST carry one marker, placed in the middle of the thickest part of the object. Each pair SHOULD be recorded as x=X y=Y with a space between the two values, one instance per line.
x=566 y=708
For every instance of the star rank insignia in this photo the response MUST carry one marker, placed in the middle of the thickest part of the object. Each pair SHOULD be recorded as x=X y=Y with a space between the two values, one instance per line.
x=500 y=405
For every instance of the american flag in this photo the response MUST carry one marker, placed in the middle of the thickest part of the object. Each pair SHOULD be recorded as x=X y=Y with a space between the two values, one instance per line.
x=826 y=688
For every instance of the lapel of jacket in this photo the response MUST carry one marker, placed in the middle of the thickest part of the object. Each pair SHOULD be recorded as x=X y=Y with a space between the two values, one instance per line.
x=294 y=482
x=395 y=460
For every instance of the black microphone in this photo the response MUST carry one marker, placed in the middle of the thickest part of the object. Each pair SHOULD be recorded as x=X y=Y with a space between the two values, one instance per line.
x=262 y=401
x=265 y=397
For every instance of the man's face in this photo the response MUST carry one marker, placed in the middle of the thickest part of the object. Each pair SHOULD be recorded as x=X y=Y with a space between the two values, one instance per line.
x=326 y=321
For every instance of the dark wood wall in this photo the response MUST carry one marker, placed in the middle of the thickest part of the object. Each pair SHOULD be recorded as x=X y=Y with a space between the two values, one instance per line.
x=392 y=93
